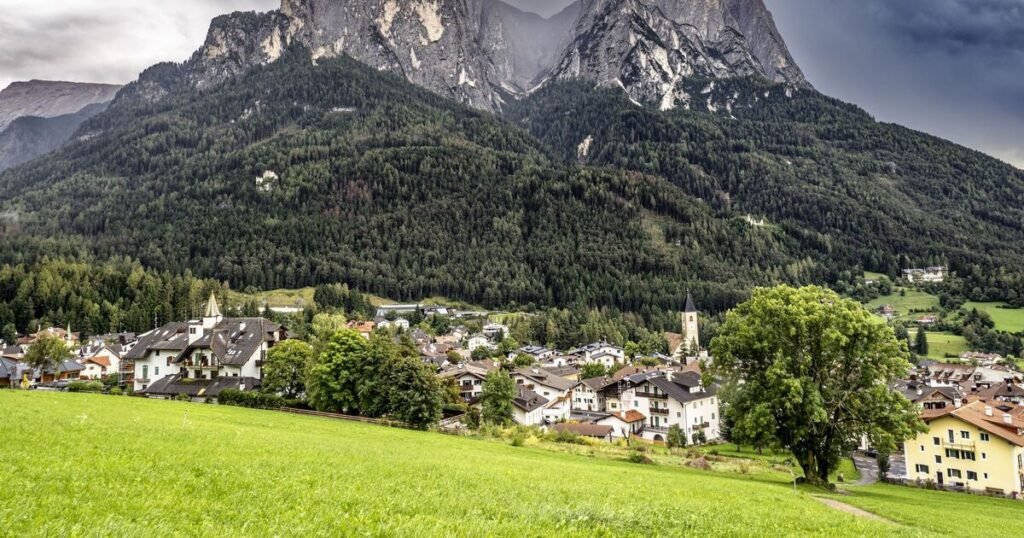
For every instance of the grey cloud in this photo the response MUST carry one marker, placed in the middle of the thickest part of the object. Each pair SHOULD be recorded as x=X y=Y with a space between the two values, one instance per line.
x=954 y=68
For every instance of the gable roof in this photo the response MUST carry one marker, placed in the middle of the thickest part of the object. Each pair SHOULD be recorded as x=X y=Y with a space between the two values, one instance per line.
x=547 y=379
x=679 y=388
x=172 y=337
x=690 y=308
x=175 y=385
x=527 y=400
x=974 y=414
x=233 y=341
x=599 y=383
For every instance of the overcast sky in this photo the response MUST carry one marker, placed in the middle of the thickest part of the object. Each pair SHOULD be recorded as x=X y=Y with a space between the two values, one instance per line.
x=954 y=68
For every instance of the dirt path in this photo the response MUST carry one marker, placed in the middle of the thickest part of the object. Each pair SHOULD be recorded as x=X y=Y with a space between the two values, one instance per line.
x=851 y=510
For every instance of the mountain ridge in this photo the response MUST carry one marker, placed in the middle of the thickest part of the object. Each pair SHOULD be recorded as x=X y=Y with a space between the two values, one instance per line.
x=48 y=99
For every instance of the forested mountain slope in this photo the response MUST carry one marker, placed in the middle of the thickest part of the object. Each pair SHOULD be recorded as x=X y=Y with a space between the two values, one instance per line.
x=367 y=179
x=382 y=185
x=850 y=191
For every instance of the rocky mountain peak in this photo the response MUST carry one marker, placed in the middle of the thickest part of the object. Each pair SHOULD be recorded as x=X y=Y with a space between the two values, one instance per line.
x=483 y=52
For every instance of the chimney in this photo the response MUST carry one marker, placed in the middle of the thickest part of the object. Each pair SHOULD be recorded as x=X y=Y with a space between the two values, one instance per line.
x=1007 y=419
x=920 y=392
x=988 y=410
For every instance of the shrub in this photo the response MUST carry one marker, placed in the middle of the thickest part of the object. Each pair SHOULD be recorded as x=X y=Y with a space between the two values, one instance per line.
x=254 y=400
x=85 y=386
x=639 y=457
x=116 y=391
x=568 y=437
x=699 y=463
x=183 y=397
x=518 y=440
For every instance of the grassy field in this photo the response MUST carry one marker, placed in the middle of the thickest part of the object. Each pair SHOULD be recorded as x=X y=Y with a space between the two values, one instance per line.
x=275 y=298
x=1010 y=320
x=941 y=344
x=84 y=465
x=914 y=301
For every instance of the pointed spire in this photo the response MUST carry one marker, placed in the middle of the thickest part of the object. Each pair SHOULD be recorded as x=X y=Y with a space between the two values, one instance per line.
x=212 y=310
x=690 y=308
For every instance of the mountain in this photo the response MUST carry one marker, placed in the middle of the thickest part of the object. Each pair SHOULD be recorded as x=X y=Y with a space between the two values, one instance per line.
x=485 y=53
x=649 y=48
x=29 y=137
x=47 y=99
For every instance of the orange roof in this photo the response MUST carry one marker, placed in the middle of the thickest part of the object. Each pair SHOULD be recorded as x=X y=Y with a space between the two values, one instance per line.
x=100 y=360
x=974 y=414
x=630 y=416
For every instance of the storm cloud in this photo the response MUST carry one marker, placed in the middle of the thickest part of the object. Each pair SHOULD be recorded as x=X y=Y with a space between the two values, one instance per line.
x=953 y=68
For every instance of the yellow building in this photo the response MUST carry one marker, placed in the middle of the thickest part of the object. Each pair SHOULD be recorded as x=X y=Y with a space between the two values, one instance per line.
x=979 y=446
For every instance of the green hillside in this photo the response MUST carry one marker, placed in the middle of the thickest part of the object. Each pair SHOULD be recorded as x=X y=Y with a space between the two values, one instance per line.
x=103 y=465
x=402 y=194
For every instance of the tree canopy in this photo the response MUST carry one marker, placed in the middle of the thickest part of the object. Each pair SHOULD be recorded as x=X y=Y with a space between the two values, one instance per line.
x=810 y=371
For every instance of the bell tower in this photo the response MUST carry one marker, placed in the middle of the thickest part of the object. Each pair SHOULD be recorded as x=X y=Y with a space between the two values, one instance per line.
x=690 y=325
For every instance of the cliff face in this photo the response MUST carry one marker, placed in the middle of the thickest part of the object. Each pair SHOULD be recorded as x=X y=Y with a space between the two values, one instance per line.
x=483 y=52
x=650 y=47
x=47 y=99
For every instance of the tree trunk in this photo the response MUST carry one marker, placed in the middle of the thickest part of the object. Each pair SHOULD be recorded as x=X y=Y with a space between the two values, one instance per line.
x=812 y=469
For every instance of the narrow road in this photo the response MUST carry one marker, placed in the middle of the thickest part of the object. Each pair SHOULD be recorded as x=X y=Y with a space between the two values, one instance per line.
x=868 y=468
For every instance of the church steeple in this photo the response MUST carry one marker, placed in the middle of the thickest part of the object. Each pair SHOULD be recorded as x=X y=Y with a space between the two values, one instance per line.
x=690 y=325
x=212 y=309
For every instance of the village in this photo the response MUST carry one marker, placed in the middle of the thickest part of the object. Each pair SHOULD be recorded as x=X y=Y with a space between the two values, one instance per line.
x=973 y=409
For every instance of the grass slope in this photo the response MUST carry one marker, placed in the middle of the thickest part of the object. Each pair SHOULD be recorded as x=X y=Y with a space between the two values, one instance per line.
x=910 y=306
x=1010 y=320
x=101 y=465
x=943 y=346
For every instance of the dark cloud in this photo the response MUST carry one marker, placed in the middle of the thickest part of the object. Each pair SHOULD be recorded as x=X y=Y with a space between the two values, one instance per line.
x=953 y=68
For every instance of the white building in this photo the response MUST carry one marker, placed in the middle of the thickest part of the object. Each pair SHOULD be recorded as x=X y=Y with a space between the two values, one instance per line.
x=99 y=362
x=202 y=357
x=669 y=399
x=470 y=377
x=478 y=341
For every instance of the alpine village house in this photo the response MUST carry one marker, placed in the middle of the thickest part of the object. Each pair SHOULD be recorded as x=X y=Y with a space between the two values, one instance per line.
x=200 y=358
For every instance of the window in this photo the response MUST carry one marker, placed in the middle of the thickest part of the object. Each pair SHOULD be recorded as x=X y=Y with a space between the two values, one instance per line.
x=921 y=468
x=922 y=448
x=952 y=454
x=191 y=330
x=984 y=436
x=953 y=473
x=985 y=475
x=156 y=370
x=971 y=475
x=951 y=438
x=938 y=458
x=984 y=456
x=145 y=371
x=937 y=441
x=965 y=435
x=965 y=455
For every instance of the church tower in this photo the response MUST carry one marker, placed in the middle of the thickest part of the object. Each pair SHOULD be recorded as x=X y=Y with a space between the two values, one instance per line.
x=691 y=329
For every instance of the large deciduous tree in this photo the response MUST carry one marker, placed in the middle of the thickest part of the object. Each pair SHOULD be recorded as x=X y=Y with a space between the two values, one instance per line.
x=334 y=380
x=285 y=369
x=810 y=371
x=496 y=398
x=48 y=353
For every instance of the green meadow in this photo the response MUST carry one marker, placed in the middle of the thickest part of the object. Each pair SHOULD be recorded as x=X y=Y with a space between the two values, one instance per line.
x=943 y=346
x=910 y=306
x=93 y=465
x=1009 y=320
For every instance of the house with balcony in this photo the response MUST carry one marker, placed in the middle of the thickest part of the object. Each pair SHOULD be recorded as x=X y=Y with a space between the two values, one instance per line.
x=203 y=356
x=470 y=377
x=672 y=398
x=978 y=446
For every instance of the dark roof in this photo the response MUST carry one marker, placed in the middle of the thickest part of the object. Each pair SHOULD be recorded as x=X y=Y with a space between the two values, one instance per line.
x=690 y=307
x=175 y=385
x=679 y=387
x=561 y=371
x=233 y=341
x=13 y=351
x=173 y=337
x=527 y=400
x=547 y=379
x=8 y=368
x=588 y=416
x=586 y=430
x=599 y=383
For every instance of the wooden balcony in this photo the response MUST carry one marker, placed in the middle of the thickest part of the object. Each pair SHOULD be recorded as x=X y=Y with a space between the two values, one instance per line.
x=652 y=395
x=658 y=410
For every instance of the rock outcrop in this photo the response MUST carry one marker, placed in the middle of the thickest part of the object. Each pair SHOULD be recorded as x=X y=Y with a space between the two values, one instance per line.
x=483 y=52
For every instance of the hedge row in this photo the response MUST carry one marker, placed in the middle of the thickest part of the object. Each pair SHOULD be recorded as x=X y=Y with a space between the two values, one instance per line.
x=255 y=400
